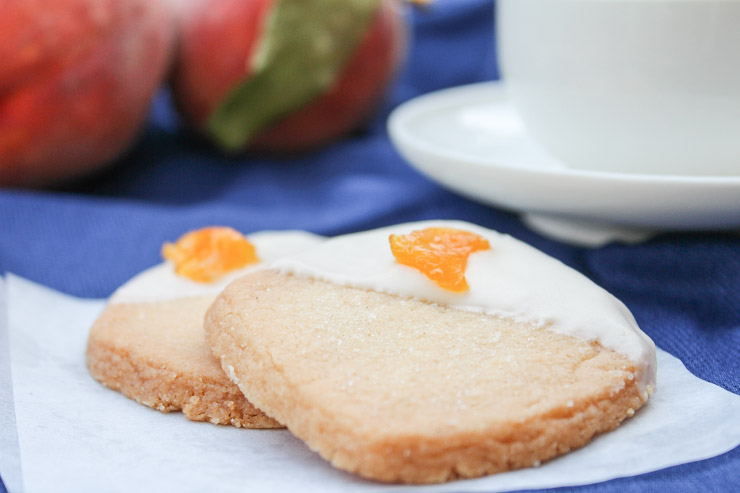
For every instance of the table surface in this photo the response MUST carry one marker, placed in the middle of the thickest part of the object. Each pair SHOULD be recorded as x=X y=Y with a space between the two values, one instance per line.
x=88 y=238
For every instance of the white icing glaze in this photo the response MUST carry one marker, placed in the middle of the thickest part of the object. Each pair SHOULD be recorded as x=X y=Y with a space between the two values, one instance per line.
x=160 y=283
x=512 y=279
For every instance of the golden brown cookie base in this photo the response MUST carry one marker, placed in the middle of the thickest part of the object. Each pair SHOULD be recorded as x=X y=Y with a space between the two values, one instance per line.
x=400 y=390
x=155 y=353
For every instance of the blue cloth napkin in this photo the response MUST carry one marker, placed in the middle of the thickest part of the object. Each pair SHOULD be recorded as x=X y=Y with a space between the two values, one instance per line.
x=87 y=239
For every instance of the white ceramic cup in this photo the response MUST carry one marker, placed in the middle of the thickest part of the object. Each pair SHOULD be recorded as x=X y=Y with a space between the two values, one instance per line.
x=635 y=86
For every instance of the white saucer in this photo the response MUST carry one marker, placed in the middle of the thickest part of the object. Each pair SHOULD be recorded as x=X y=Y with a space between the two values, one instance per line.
x=472 y=140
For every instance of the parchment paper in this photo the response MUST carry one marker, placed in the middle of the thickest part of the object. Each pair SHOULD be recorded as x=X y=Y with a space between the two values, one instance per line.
x=76 y=435
x=10 y=465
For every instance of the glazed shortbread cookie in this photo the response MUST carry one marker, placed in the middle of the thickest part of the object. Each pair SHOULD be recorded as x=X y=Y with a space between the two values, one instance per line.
x=388 y=375
x=149 y=342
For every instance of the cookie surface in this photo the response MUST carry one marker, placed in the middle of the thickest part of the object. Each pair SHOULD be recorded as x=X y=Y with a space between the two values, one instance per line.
x=400 y=389
x=149 y=343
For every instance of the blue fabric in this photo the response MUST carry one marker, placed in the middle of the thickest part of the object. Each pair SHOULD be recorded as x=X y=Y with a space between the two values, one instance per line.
x=87 y=239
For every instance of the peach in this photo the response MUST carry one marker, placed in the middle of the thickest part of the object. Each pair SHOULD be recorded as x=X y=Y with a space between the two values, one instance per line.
x=218 y=42
x=76 y=82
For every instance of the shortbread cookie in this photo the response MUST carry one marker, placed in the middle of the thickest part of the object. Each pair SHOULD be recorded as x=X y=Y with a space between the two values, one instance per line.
x=149 y=342
x=388 y=375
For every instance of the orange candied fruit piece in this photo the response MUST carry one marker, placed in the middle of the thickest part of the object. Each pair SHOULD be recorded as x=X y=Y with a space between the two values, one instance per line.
x=206 y=254
x=439 y=253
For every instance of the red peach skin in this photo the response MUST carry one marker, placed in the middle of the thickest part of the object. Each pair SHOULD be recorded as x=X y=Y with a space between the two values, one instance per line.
x=218 y=38
x=76 y=81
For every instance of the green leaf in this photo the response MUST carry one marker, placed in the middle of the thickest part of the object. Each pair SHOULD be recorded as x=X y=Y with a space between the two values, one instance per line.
x=305 y=45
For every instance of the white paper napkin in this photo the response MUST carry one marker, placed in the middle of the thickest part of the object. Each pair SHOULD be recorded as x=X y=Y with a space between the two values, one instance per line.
x=76 y=435
x=10 y=465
